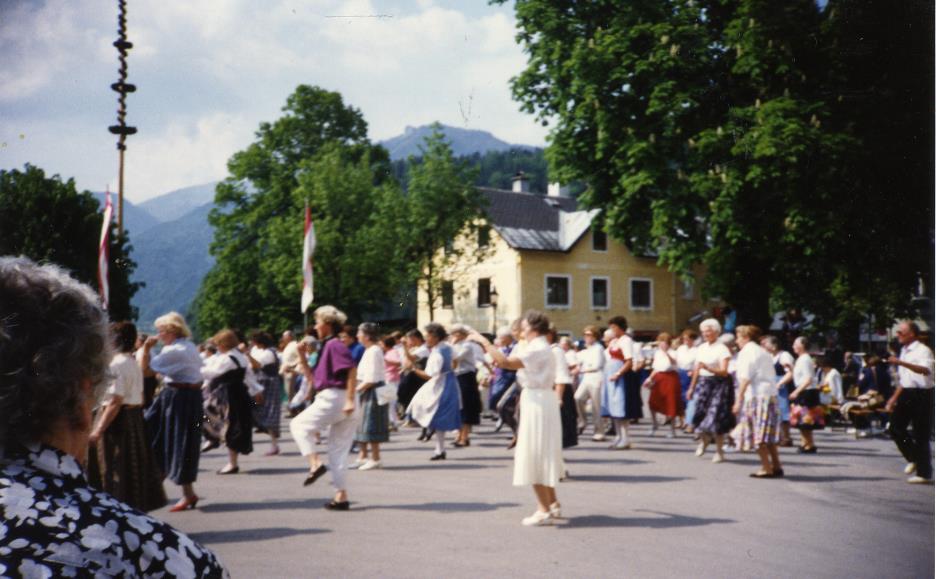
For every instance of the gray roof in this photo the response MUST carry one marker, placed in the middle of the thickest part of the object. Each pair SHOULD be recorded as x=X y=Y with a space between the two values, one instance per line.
x=535 y=222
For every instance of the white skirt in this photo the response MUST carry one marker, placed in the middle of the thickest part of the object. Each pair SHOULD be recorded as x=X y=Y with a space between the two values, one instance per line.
x=538 y=456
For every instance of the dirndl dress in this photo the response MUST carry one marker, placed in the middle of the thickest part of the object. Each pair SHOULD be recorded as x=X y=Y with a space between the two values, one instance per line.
x=806 y=412
x=621 y=398
x=760 y=422
x=437 y=403
x=229 y=410
x=714 y=397
x=267 y=414
x=121 y=463
x=173 y=426
x=375 y=418
x=613 y=392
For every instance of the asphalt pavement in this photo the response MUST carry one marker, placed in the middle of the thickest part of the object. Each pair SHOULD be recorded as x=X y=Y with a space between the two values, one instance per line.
x=653 y=511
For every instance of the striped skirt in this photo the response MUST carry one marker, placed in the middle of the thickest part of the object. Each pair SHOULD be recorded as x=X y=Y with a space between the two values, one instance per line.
x=267 y=414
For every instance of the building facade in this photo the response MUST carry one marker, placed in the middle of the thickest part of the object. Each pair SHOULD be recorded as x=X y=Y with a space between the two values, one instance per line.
x=544 y=253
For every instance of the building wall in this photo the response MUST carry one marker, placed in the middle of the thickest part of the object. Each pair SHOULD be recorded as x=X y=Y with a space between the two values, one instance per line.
x=520 y=278
x=502 y=267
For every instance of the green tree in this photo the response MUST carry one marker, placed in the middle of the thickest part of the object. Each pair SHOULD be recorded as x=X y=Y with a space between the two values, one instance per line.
x=318 y=150
x=48 y=220
x=440 y=229
x=722 y=133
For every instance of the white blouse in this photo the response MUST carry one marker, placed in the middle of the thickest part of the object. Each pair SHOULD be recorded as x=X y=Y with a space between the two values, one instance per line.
x=371 y=368
x=711 y=355
x=563 y=376
x=662 y=362
x=685 y=357
x=263 y=356
x=803 y=371
x=221 y=362
x=756 y=365
x=539 y=365
x=128 y=380
x=467 y=354
x=591 y=358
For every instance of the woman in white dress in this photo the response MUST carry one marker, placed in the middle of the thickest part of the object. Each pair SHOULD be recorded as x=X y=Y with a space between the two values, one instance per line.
x=538 y=458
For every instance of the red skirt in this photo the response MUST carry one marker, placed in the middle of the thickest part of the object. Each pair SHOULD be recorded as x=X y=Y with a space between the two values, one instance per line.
x=666 y=395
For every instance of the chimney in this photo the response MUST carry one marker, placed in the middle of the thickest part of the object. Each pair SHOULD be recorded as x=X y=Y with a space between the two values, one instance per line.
x=520 y=183
x=557 y=190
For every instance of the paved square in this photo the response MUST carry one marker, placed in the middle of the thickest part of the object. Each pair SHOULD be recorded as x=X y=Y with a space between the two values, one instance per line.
x=654 y=511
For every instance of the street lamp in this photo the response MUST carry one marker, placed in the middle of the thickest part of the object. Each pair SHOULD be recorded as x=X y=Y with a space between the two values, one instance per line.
x=494 y=295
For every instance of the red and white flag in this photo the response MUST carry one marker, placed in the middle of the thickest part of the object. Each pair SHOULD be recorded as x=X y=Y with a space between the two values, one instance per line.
x=104 y=252
x=308 y=250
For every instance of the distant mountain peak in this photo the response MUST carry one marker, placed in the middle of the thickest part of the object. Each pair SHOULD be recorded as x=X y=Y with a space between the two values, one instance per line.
x=463 y=141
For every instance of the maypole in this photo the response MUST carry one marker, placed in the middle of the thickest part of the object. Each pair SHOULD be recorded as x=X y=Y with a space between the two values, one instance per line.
x=122 y=87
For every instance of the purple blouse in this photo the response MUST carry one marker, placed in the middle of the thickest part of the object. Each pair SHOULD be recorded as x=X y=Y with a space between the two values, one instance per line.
x=334 y=361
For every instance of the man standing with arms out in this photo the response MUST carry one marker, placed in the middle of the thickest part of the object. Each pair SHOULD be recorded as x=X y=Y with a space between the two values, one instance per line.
x=912 y=403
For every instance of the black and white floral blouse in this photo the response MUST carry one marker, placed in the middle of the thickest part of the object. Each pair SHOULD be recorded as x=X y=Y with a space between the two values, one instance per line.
x=52 y=524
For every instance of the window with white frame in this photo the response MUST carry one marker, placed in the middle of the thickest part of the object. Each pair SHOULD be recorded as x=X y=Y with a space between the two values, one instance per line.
x=641 y=293
x=558 y=291
x=600 y=293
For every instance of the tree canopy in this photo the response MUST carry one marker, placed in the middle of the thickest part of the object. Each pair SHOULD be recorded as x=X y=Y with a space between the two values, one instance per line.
x=370 y=236
x=752 y=136
x=48 y=220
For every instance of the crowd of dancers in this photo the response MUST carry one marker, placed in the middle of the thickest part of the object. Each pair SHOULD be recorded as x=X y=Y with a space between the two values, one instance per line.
x=348 y=388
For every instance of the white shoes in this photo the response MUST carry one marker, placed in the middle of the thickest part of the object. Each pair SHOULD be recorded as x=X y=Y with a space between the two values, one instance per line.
x=910 y=468
x=538 y=519
x=670 y=435
x=653 y=431
x=621 y=445
x=357 y=464
x=700 y=450
x=555 y=511
x=598 y=437
x=719 y=457
x=918 y=480
x=370 y=465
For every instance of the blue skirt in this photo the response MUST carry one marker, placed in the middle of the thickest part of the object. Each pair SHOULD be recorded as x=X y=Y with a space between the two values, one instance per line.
x=448 y=415
x=173 y=425
x=621 y=398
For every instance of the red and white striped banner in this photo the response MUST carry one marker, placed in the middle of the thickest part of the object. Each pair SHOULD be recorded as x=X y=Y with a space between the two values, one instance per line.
x=104 y=252
x=308 y=250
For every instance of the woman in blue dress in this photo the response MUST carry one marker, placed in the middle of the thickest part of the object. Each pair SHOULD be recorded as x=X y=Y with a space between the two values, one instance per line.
x=437 y=404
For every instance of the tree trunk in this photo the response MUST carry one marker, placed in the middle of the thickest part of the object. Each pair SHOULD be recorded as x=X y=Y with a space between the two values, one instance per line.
x=750 y=296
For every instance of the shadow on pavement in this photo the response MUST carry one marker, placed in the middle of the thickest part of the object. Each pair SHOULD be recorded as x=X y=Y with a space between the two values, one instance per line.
x=443 y=507
x=666 y=521
x=251 y=535
x=830 y=478
x=442 y=465
x=620 y=461
x=270 y=471
x=623 y=478
x=256 y=506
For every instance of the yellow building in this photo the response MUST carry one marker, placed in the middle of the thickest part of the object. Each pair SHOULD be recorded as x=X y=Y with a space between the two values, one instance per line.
x=544 y=254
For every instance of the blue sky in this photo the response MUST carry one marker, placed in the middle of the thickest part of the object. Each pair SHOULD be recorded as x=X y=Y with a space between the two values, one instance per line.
x=210 y=71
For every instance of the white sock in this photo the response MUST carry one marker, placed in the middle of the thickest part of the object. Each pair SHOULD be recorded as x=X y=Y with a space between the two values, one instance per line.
x=440 y=442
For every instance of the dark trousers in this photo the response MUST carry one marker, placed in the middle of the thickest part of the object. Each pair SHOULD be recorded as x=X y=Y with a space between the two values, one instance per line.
x=914 y=407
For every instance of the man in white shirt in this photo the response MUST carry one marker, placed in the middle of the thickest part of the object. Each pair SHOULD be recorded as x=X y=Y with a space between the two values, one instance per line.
x=912 y=403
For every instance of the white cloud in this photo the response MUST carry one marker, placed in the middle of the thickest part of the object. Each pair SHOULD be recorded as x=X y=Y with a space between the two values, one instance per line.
x=208 y=72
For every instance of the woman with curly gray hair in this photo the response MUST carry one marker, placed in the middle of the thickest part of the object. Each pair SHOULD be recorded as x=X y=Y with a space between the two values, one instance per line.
x=54 y=358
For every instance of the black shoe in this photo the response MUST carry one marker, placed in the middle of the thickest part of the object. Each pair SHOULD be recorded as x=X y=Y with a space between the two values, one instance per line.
x=463 y=444
x=438 y=456
x=234 y=470
x=801 y=450
x=315 y=475
x=778 y=473
x=210 y=445
x=336 y=506
x=762 y=475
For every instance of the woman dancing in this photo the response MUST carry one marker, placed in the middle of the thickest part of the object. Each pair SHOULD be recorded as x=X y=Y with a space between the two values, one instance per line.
x=538 y=459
